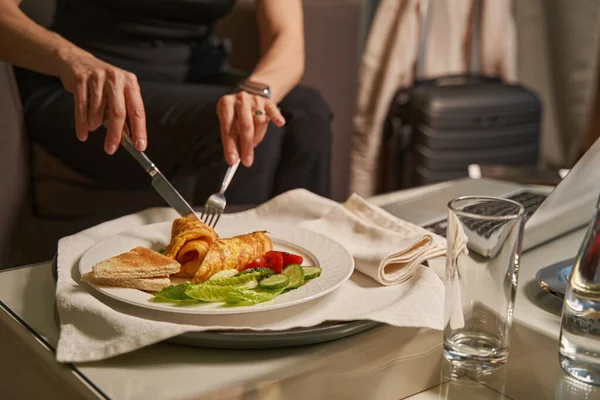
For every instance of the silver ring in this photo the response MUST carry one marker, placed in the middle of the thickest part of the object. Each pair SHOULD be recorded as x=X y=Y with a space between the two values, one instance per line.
x=260 y=113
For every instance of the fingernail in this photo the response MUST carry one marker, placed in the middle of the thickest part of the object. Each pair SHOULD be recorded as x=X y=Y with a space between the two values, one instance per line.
x=111 y=149
x=82 y=138
x=140 y=144
x=232 y=158
x=248 y=161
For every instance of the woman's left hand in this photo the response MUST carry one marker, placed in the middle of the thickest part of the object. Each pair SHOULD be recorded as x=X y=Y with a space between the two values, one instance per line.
x=244 y=119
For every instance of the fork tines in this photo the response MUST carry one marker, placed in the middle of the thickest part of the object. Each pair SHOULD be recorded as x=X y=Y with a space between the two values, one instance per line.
x=210 y=216
x=215 y=205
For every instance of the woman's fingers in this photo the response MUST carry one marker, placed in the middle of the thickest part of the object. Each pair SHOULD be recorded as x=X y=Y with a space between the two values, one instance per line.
x=81 y=110
x=245 y=127
x=226 y=113
x=274 y=114
x=135 y=112
x=97 y=100
x=104 y=95
x=117 y=112
x=244 y=119
x=261 y=120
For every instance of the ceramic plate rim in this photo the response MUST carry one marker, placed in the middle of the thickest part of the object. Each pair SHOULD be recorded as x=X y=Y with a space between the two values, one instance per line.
x=267 y=306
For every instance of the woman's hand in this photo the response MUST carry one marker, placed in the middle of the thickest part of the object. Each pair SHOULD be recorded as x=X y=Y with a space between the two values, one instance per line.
x=244 y=119
x=100 y=90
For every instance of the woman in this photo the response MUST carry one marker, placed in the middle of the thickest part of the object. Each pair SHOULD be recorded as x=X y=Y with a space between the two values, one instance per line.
x=156 y=67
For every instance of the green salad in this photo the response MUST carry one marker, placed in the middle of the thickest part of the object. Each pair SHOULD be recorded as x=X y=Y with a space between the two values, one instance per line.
x=249 y=287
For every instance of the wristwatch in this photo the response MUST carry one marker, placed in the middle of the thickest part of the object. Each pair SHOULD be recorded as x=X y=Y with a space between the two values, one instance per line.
x=257 y=88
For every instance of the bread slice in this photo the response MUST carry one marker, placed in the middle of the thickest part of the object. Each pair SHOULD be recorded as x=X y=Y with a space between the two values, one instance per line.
x=139 y=262
x=155 y=284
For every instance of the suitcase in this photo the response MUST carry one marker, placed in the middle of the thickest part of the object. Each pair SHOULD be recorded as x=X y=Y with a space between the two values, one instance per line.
x=435 y=129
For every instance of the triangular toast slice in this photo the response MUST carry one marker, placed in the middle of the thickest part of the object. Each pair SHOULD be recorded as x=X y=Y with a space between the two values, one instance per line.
x=139 y=262
x=155 y=284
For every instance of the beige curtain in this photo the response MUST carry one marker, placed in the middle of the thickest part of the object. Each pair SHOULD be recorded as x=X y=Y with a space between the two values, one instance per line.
x=559 y=55
x=389 y=58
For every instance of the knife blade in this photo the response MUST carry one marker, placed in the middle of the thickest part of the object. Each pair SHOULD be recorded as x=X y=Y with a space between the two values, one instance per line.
x=160 y=183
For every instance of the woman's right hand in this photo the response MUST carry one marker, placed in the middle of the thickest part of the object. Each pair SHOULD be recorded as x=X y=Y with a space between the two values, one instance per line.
x=103 y=91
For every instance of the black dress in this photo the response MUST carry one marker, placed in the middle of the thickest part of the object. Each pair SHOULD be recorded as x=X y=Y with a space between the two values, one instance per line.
x=182 y=70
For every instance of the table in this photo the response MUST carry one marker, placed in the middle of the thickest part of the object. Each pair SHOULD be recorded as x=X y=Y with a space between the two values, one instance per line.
x=382 y=363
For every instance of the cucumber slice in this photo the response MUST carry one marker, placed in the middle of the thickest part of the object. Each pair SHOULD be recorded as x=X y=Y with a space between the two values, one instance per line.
x=275 y=282
x=296 y=274
x=311 y=272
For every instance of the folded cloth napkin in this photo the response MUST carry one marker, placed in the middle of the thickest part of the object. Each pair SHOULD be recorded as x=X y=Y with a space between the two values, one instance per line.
x=386 y=249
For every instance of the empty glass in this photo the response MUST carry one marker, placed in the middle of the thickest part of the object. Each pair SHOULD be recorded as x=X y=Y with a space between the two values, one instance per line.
x=484 y=237
x=579 y=351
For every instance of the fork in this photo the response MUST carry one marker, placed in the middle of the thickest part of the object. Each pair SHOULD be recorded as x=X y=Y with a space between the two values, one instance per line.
x=215 y=205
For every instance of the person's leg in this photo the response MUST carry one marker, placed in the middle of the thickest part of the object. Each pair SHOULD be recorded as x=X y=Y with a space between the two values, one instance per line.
x=182 y=127
x=306 y=151
x=295 y=156
x=255 y=185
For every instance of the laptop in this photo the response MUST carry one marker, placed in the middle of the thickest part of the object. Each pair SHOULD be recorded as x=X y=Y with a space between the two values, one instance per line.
x=550 y=213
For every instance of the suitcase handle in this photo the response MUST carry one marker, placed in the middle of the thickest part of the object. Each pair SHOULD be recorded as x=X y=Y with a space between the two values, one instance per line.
x=457 y=80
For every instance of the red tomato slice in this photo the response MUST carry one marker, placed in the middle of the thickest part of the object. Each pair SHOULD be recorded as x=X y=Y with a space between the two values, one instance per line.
x=258 y=263
x=289 y=258
x=274 y=261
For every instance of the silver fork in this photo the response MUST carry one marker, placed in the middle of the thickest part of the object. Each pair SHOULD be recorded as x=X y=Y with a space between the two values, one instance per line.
x=215 y=205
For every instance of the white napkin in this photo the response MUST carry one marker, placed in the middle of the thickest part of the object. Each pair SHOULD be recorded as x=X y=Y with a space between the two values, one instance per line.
x=94 y=327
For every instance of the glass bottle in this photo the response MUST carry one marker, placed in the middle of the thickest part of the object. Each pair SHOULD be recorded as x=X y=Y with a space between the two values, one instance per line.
x=579 y=347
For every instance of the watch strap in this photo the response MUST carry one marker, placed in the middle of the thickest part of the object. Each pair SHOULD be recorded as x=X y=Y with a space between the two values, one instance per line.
x=256 y=88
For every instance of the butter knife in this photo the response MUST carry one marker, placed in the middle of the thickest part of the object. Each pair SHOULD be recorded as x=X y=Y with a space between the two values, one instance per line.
x=160 y=183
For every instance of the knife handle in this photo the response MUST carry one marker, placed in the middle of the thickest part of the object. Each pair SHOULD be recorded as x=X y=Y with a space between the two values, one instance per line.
x=139 y=156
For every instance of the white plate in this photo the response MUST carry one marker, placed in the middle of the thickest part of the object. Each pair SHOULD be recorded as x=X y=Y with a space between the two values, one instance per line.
x=336 y=262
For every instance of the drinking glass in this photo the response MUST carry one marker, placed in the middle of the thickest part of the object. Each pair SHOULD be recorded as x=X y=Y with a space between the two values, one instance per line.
x=579 y=351
x=484 y=237
x=570 y=388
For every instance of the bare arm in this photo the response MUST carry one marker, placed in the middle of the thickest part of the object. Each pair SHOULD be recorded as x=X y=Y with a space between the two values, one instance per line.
x=281 y=66
x=281 y=30
x=96 y=85
x=27 y=44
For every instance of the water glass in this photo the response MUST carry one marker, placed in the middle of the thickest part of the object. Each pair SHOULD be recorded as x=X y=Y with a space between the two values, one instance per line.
x=570 y=388
x=484 y=237
x=579 y=351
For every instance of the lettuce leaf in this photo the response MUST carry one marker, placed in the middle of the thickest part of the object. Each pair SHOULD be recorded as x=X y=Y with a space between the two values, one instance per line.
x=227 y=273
x=212 y=293
x=247 y=280
x=251 y=297
x=175 y=294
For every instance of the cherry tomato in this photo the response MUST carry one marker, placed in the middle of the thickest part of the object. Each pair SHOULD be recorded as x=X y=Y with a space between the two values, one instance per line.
x=258 y=263
x=274 y=261
x=289 y=258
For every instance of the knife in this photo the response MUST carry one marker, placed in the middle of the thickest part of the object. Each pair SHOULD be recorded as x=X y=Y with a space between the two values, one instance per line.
x=160 y=183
